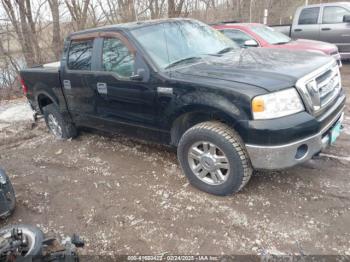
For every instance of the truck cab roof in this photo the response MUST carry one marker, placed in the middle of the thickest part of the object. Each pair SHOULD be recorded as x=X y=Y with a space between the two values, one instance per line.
x=126 y=26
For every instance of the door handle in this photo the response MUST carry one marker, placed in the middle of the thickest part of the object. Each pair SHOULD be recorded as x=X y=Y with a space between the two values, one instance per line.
x=326 y=29
x=66 y=84
x=298 y=30
x=102 y=88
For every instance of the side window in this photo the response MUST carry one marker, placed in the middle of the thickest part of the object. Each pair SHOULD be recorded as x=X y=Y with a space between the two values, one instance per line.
x=117 y=58
x=334 y=14
x=237 y=36
x=79 y=55
x=309 y=16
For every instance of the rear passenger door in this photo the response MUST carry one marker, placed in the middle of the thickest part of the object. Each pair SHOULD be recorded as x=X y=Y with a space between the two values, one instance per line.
x=79 y=67
x=307 y=26
x=333 y=29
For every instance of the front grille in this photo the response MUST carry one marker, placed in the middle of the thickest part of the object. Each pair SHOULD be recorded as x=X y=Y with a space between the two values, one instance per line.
x=328 y=86
x=320 y=88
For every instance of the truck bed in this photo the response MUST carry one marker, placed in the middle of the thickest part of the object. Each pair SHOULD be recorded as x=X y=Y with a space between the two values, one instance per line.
x=43 y=79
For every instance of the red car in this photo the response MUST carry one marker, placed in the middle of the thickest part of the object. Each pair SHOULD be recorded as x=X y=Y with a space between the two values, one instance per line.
x=259 y=35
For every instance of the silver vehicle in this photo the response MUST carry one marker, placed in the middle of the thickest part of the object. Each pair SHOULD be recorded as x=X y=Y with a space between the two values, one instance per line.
x=325 y=22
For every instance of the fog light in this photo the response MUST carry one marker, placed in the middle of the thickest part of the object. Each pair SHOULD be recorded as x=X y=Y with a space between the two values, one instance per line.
x=301 y=151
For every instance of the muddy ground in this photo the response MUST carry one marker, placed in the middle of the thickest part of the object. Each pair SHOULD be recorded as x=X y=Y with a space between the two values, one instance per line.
x=129 y=197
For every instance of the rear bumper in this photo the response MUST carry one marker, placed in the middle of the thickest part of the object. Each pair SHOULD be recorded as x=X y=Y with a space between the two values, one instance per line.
x=291 y=154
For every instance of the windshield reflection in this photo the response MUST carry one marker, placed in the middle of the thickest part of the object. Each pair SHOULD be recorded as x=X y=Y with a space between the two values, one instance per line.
x=175 y=40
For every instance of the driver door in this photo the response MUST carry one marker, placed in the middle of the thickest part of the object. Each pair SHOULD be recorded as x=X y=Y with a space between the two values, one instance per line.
x=123 y=96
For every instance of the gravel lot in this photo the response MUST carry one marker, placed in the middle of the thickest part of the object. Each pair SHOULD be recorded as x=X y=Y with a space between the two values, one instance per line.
x=129 y=197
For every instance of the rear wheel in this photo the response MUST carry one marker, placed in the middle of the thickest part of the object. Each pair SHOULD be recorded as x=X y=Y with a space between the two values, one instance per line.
x=214 y=158
x=60 y=127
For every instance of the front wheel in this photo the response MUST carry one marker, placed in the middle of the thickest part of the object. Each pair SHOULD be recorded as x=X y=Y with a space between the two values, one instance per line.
x=214 y=159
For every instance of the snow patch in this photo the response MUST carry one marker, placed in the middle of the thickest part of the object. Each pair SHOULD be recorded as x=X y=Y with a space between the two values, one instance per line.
x=15 y=113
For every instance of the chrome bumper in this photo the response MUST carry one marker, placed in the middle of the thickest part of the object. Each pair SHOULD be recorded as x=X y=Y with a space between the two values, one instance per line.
x=287 y=155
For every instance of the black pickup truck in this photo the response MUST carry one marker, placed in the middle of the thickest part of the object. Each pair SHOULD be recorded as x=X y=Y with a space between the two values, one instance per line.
x=178 y=81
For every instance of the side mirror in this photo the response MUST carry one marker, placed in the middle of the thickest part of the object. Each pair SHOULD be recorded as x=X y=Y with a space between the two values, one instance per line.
x=251 y=43
x=346 y=18
x=139 y=76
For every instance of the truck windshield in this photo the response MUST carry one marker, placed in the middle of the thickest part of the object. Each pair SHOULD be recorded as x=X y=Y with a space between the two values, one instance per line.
x=174 y=42
x=270 y=35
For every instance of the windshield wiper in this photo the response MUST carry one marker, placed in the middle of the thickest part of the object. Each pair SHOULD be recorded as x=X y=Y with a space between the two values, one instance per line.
x=225 y=50
x=183 y=60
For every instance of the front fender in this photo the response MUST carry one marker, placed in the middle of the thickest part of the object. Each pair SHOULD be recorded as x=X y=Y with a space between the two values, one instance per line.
x=227 y=109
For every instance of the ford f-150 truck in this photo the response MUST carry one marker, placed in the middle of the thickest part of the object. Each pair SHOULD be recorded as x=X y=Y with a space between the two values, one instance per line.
x=180 y=82
x=328 y=22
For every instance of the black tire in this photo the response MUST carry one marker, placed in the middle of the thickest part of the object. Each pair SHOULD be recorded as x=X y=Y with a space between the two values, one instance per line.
x=225 y=138
x=10 y=197
x=37 y=234
x=68 y=129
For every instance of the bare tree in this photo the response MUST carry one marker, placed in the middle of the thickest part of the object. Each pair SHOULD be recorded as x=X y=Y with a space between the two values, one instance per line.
x=95 y=16
x=21 y=28
x=127 y=10
x=56 y=28
x=156 y=8
x=32 y=28
x=9 y=68
x=110 y=10
x=175 y=8
x=78 y=11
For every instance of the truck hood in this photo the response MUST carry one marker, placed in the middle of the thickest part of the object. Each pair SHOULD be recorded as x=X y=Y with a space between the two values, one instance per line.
x=304 y=44
x=271 y=69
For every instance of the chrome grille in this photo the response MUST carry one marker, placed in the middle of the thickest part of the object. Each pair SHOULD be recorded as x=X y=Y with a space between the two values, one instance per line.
x=321 y=87
x=328 y=86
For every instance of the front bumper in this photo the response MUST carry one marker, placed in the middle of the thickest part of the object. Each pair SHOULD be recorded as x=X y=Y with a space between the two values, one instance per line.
x=291 y=154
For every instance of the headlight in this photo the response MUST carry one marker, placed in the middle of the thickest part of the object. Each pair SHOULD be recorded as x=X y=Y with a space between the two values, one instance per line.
x=277 y=104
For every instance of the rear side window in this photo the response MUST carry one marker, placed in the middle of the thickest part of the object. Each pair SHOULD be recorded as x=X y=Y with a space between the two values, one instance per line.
x=238 y=36
x=117 y=58
x=334 y=14
x=309 y=16
x=80 y=54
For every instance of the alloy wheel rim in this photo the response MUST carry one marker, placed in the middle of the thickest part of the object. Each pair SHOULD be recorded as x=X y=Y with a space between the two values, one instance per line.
x=54 y=126
x=208 y=163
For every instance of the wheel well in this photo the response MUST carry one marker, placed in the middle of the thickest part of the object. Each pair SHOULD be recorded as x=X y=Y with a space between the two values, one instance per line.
x=188 y=120
x=43 y=100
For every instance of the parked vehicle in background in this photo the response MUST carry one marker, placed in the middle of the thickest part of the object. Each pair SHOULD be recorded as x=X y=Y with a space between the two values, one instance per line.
x=259 y=35
x=7 y=195
x=226 y=109
x=324 y=22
